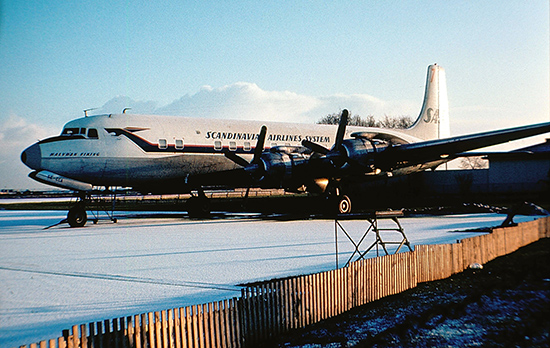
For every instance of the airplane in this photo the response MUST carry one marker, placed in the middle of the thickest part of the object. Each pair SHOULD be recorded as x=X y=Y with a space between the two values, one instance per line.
x=176 y=154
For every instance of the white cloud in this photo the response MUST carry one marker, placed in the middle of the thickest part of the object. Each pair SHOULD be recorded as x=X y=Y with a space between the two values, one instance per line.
x=247 y=101
x=15 y=131
x=16 y=134
x=119 y=103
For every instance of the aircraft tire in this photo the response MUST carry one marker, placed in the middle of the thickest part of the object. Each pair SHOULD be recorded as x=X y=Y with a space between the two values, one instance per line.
x=77 y=216
x=344 y=205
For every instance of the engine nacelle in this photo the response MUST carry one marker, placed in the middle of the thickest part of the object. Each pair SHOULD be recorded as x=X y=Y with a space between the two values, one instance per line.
x=281 y=169
x=362 y=151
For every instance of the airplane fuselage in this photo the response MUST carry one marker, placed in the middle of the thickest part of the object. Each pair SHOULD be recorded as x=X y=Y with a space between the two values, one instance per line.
x=146 y=150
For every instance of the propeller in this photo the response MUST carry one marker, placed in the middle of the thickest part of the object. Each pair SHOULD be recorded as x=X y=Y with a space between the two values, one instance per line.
x=341 y=129
x=315 y=147
x=254 y=165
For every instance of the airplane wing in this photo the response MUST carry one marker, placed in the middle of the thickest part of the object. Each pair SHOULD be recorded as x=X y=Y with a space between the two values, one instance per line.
x=450 y=148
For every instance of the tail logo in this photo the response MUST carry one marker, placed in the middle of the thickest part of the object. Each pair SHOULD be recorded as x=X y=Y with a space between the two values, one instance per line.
x=431 y=116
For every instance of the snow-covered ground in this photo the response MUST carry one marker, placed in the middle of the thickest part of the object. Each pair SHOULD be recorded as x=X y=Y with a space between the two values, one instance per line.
x=55 y=278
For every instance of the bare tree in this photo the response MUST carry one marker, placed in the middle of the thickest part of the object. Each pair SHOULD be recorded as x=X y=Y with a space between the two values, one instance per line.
x=330 y=119
x=399 y=122
x=476 y=162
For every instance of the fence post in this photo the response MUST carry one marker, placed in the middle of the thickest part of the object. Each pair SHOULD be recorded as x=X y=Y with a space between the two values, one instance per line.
x=220 y=332
x=237 y=335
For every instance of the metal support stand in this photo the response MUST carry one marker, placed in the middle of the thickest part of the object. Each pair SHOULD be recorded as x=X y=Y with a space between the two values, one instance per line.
x=97 y=205
x=373 y=227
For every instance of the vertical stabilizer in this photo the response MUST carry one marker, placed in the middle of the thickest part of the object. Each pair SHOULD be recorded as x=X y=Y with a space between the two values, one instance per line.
x=433 y=121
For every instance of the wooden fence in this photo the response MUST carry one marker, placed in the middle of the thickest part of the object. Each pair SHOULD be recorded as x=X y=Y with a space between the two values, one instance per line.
x=273 y=307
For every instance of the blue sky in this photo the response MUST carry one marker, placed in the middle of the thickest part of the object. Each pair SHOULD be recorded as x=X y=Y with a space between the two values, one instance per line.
x=58 y=58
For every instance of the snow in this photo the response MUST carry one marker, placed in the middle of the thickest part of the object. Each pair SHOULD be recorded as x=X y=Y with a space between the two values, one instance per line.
x=19 y=200
x=58 y=277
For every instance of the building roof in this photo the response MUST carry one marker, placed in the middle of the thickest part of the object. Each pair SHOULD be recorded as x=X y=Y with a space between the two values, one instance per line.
x=533 y=152
x=543 y=147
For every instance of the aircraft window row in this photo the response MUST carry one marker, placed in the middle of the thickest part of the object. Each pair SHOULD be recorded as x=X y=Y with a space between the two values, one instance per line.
x=178 y=144
x=218 y=146
x=92 y=132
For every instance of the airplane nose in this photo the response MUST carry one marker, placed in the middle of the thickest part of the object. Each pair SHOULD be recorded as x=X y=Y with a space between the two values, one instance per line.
x=32 y=157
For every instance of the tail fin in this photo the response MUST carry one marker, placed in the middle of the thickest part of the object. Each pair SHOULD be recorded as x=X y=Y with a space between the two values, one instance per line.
x=433 y=121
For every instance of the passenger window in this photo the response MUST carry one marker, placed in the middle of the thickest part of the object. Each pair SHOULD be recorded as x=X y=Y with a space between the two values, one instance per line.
x=217 y=145
x=163 y=144
x=92 y=133
x=83 y=131
x=232 y=146
x=246 y=146
x=179 y=144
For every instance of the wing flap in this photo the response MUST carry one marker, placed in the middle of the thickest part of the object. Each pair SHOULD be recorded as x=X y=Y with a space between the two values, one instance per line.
x=391 y=138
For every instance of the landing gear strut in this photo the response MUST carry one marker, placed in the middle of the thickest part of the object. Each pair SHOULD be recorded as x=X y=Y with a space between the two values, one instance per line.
x=198 y=206
x=77 y=215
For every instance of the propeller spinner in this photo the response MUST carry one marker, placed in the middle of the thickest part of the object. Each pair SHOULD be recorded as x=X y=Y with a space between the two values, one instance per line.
x=337 y=154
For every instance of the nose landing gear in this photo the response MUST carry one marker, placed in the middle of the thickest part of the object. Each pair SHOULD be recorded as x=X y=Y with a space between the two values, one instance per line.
x=77 y=216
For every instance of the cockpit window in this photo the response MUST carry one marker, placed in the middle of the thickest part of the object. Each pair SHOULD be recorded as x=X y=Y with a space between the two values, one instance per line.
x=80 y=132
x=70 y=131
x=92 y=133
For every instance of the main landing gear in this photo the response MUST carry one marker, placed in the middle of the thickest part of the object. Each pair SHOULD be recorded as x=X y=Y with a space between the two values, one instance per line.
x=338 y=202
x=343 y=204
x=198 y=206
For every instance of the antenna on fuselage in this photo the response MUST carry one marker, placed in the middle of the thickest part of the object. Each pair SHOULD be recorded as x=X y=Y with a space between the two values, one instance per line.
x=124 y=110
x=86 y=111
